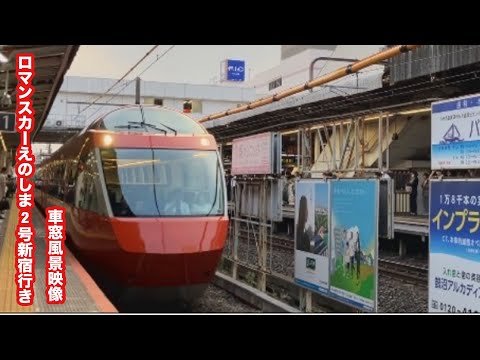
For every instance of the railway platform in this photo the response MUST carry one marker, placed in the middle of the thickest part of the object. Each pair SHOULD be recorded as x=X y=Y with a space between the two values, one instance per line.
x=404 y=224
x=82 y=294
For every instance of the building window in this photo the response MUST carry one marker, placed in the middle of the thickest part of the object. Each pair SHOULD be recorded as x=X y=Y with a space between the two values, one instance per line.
x=187 y=106
x=153 y=101
x=275 y=84
x=197 y=106
x=192 y=106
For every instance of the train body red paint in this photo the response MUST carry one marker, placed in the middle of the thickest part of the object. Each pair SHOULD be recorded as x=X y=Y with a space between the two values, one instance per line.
x=145 y=198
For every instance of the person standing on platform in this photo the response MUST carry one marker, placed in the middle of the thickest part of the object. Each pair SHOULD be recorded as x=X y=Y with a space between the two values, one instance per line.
x=412 y=188
x=426 y=190
x=233 y=184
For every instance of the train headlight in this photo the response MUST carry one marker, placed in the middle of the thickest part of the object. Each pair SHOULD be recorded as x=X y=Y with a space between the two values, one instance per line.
x=107 y=140
x=205 y=142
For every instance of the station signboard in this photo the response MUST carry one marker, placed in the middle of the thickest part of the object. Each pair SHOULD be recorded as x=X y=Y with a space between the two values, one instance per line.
x=7 y=122
x=235 y=70
x=455 y=138
x=257 y=154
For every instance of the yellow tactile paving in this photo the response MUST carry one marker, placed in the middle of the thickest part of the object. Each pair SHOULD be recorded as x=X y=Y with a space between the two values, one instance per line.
x=8 y=288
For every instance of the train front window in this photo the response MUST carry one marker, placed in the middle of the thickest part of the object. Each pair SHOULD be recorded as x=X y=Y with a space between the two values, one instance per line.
x=153 y=120
x=161 y=182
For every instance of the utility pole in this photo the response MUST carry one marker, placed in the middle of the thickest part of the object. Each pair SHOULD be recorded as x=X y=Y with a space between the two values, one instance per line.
x=137 y=90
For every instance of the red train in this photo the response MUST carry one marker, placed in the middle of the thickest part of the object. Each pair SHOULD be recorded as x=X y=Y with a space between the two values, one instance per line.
x=145 y=197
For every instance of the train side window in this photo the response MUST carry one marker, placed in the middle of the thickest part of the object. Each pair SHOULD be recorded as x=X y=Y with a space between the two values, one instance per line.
x=70 y=182
x=39 y=179
x=60 y=193
x=88 y=191
x=53 y=180
x=94 y=201
x=79 y=192
x=82 y=195
x=97 y=189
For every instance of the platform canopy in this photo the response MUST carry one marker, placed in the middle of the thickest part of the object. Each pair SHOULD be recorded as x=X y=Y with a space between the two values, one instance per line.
x=51 y=64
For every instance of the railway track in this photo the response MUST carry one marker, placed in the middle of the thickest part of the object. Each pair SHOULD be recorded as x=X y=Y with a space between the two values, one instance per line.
x=279 y=242
x=417 y=275
x=414 y=274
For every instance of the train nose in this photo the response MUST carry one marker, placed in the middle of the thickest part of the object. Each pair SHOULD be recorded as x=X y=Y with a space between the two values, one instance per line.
x=172 y=270
x=169 y=252
x=170 y=236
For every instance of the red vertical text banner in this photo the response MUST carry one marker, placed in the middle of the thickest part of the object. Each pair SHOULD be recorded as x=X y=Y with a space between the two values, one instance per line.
x=25 y=170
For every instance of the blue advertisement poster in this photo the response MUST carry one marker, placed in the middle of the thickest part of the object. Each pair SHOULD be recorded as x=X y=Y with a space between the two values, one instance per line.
x=354 y=242
x=454 y=260
x=312 y=234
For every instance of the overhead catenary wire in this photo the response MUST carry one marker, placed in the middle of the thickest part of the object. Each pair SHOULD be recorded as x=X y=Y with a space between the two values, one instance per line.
x=433 y=57
x=363 y=72
x=407 y=61
x=119 y=80
x=129 y=82
x=363 y=98
x=339 y=73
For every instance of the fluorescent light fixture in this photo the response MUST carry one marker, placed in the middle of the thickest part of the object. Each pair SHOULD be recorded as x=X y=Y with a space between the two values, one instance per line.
x=416 y=111
x=3 y=58
x=289 y=132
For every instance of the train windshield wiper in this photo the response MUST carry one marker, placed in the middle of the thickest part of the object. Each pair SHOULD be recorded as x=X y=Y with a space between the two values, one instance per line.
x=147 y=126
x=128 y=127
x=168 y=127
x=153 y=126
